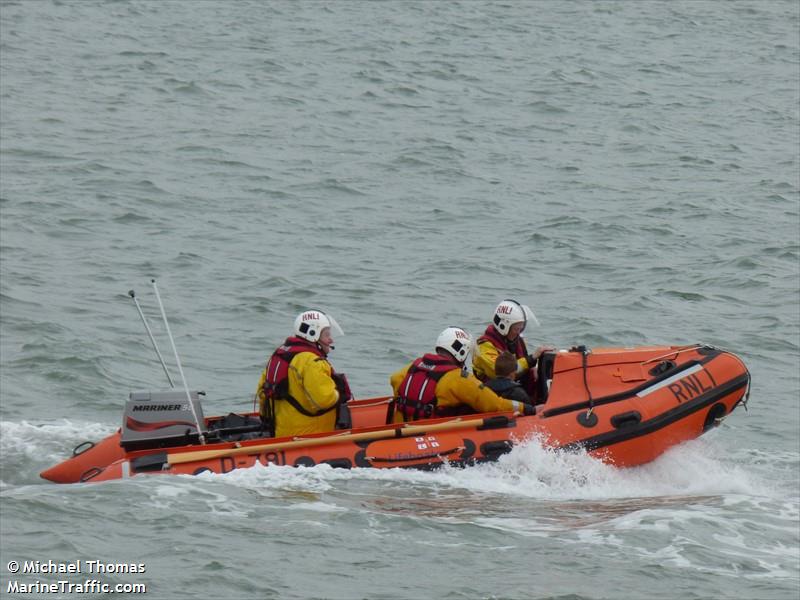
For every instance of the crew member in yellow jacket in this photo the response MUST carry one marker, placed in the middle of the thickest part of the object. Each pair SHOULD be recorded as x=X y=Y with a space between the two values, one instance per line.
x=437 y=384
x=299 y=392
x=504 y=334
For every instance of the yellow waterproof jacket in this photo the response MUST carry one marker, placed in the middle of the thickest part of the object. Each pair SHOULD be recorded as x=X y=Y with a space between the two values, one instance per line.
x=483 y=361
x=454 y=389
x=311 y=384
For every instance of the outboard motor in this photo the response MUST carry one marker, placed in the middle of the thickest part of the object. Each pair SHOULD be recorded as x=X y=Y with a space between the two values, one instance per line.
x=161 y=420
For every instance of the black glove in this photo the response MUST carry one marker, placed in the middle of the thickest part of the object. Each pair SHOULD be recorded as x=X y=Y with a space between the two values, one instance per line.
x=342 y=386
x=528 y=410
x=532 y=360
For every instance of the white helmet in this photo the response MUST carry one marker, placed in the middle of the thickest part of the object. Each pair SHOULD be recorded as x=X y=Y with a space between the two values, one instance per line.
x=509 y=312
x=456 y=342
x=310 y=323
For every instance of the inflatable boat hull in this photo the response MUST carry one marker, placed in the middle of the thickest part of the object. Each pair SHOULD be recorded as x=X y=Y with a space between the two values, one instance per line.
x=623 y=406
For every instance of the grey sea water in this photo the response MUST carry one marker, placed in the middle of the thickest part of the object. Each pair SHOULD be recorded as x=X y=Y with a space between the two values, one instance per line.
x=630 y=169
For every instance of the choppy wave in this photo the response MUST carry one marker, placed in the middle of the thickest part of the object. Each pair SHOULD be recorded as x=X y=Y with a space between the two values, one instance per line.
x=627 y=169
x=667 y=511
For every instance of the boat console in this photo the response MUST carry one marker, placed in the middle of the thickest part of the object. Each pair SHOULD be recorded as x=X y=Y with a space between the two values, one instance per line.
x=545 y=376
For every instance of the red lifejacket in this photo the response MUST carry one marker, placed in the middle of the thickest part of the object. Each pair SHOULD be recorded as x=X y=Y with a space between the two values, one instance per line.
x=416 y=395
x=276 y=383
x=517 y=348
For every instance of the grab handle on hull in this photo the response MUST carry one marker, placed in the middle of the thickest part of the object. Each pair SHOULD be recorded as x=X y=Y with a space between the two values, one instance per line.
x=90 y=474
x=626 y=419
x=493 y=450
x=79 y=449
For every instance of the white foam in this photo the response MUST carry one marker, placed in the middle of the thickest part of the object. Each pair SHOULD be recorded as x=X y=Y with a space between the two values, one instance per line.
x=697 y=468
x=314 y=481
x=52 y=441
x=534 y=472
x=170 y=491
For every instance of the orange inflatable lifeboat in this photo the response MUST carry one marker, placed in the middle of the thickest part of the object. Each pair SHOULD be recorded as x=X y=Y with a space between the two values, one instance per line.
x=623 y=406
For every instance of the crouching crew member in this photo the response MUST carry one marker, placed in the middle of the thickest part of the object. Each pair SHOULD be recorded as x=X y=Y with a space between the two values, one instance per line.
x=438 y=384
x=504 y=335
x=299 y=392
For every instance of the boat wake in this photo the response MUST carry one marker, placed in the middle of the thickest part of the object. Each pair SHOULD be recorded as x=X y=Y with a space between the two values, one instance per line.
x=530 y=471
x=665 y=511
